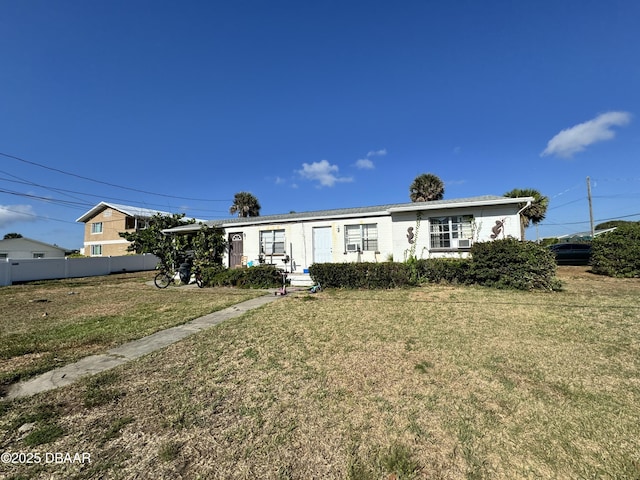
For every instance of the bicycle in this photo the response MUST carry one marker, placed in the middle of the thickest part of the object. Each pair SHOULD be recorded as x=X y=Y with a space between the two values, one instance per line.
x=167 y=276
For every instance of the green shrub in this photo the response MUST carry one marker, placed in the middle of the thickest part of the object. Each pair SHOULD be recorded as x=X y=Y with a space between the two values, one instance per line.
x=439 y=270
x=263 y=276
x=360 y=275
x=617 y=253
x=510 y=263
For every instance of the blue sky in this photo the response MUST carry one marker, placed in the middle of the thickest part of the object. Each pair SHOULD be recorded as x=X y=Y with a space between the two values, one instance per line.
x=313 y=105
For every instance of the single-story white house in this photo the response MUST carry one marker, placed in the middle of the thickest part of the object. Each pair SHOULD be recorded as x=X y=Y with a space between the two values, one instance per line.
x=441 y=228
x=24 y=247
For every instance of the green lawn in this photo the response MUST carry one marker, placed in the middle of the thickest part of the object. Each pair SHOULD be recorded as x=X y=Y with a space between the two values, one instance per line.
x=438 y=382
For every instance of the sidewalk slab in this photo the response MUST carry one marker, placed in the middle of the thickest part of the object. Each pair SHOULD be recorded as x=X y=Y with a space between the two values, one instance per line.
x=68 y=374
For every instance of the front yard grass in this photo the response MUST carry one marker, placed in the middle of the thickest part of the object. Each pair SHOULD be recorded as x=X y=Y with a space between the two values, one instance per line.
x=438 y=382
x=48 y=324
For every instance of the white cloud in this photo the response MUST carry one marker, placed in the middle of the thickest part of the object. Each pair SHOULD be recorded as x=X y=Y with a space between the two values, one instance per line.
x=322 y=172
x=15 y=213
x=575 y=139
x=377 y=153
x=365 y=164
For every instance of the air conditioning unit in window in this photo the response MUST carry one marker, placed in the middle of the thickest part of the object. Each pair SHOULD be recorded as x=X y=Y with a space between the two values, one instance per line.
x=464 y=243
x=352 y=247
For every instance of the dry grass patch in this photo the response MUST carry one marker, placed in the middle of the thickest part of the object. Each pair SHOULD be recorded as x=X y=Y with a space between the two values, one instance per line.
x=438 y=382
x=48 y=324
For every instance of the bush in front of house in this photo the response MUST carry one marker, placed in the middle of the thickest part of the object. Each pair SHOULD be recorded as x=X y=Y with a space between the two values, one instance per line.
x=440 y=270
x=507 y=263
x=510 y=263
x=263 y=276
x=617 y=253
x=368 y=275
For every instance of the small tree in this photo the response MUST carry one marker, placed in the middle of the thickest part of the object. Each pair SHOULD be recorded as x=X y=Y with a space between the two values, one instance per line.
x=245 y=205
x=152 y=240
x=12 y=235
x=426 y=187
x=207 y=243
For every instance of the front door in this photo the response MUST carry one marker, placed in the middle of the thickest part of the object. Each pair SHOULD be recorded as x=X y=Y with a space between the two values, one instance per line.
x=235 y=250
x=322 y=250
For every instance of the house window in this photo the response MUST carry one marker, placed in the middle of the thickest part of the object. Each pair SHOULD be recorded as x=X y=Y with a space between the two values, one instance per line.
x=451 y=232
x=96 y=250
x=38 y=255
x=96 y=227
x=363 y=238
x=4 y=255
x=133 y=223
x=272 y=242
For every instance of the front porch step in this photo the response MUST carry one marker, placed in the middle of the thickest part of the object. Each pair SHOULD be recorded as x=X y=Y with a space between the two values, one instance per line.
x=300 y=280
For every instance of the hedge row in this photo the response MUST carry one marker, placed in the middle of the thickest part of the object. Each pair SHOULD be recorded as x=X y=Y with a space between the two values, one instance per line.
x=263 y=276
x=504 y=263
x=617 y=253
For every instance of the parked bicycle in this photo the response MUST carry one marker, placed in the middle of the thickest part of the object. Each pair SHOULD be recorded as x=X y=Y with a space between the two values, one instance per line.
x=167 y=276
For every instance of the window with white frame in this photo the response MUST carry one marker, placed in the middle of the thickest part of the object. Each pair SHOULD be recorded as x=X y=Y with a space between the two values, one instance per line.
x=38 y=255
x=4 y=255
x=272 y=242
x=361 y=238
x=451 y=232
x=96 y=250
x=96 y=227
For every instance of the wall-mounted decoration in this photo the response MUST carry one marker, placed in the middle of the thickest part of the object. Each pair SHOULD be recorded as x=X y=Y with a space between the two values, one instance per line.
x=497 y=229
x=410 y=235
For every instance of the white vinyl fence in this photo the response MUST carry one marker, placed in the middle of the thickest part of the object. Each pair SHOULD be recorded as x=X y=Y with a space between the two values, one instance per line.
x=14 y=270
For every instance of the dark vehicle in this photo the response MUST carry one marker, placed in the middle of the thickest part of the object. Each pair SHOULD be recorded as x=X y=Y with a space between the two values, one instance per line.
x=572 y=253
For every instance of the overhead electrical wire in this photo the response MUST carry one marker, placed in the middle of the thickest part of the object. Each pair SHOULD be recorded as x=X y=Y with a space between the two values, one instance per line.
x=29 y=162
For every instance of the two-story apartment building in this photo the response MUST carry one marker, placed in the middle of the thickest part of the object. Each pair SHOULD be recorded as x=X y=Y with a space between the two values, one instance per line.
x=105 y=221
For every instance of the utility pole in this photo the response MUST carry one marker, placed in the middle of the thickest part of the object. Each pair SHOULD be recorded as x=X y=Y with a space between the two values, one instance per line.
x=593 y=232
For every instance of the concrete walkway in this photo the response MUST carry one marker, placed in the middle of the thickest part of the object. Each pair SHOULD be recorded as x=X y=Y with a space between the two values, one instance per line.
x=117 y=356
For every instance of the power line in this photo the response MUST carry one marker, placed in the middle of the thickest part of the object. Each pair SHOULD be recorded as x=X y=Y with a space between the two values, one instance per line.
x=102 y=197
x=108 y=183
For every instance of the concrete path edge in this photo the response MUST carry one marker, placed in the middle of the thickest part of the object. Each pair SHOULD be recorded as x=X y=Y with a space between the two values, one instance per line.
x=69 y=374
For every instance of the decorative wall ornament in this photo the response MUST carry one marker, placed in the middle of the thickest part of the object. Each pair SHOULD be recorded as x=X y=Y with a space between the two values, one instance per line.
x=410 y=235
x=497 y=229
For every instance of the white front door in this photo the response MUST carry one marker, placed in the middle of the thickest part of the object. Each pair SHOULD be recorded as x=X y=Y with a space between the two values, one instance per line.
x=322 y=251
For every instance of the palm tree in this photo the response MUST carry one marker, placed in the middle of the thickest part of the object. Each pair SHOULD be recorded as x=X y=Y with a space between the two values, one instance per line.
x=536 y=212
x=426 y=187
x=245 y=205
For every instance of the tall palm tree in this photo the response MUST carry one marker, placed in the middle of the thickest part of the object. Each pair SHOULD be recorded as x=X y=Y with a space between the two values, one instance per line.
x=245 y=205
x=426 y=187
x=536 y=212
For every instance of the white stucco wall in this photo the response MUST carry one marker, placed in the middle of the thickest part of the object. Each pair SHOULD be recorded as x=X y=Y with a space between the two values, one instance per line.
x=392 y=235
x=485 y=219
x=299 y=241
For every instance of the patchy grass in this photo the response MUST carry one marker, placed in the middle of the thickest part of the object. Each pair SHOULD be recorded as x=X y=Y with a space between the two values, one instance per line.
x=48 y=324
x=440 y=382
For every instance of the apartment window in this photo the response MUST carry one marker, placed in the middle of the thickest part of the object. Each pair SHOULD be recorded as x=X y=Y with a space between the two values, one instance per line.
x=363 y=238
x=96 y=250
x=133 y=223
x=38 y=255
x=272 y=242
x=451 y=232
x=96 y=227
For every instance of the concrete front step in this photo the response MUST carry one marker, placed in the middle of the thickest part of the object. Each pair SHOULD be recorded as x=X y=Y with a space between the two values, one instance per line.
x=300 y=280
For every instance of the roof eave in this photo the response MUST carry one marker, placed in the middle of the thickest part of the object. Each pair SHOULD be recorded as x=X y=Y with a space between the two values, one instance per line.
x=476 y=203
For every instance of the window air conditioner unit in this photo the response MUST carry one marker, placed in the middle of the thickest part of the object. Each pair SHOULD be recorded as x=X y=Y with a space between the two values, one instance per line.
x=464 y=243
x=352 y=247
